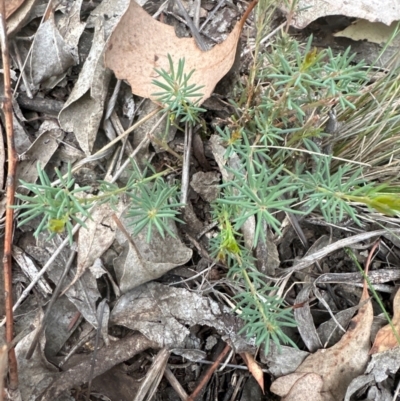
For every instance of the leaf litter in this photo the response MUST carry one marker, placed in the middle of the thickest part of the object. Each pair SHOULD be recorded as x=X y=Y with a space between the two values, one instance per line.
x=155 y=293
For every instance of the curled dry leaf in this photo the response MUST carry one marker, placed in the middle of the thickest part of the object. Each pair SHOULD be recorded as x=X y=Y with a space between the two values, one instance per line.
x=254 y=368
x=335 y=367
x=373 y=32
x=385 y=11
x=385 y=339
x=140 y=44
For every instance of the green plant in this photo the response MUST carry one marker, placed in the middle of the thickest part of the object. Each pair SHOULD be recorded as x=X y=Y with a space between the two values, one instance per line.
x=179 y=97
x=262 y=311
x=62 y=205
x=154 y=206
x=276 y=136
x=59 y=206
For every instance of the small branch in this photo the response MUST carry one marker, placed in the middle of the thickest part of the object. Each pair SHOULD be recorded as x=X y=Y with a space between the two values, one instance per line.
x=209 y=373
x=10 y=190
x=186 y=162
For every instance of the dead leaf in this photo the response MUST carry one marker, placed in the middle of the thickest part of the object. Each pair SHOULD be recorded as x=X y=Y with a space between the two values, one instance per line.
x=374 y=32
x=94 y=239
x=139 y=44
x=254 y=369
x=107 y=357
x=49 y=136
x=28 y=267
x=51 y=56
x=163 y=314
x=336 y=366
x=385 y=339
x=83 y=110
x=147 y=261
x=36 y=373
x=385 y=11
x=19 y=16
x=283 y=360
x=12 y=6
x=71 y=28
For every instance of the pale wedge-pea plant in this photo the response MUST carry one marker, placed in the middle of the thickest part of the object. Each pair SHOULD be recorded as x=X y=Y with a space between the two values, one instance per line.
x=153 y=202
x=276 y=133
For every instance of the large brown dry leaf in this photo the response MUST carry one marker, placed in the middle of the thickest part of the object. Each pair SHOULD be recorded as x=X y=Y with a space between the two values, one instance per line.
x=139 y=44
x=385 y=11
x=336 y=366
x=385 y=339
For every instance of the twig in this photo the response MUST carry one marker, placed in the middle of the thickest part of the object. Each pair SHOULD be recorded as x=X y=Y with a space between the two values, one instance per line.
x=186 y=162
x=10 y=190
x=192 y=27
x=175 y=384
x=207 y=376
x=311 y=259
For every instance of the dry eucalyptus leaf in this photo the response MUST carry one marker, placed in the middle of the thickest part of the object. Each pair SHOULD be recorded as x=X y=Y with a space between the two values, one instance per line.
x=58 y=330
x=12 y=6
x=304 y=387
x=163 y=314
x=19 y=17
x=336 y=366
x=71 y=28
x=374 y=32
x=30 y=270
x=95 y=239
x=254 y=368
x=148 y=261
x=140 y=44
x=50 y=135
x=385 y=11
x=106 y=358
x=378 y=377
x=51 y=56
x=36 y=373
x=385 y=339
x=283 y=360
x=83 y=110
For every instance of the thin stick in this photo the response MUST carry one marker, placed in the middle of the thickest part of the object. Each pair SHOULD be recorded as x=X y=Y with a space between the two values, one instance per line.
x=10 y=190
x=186 y=162
x=207 y=376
